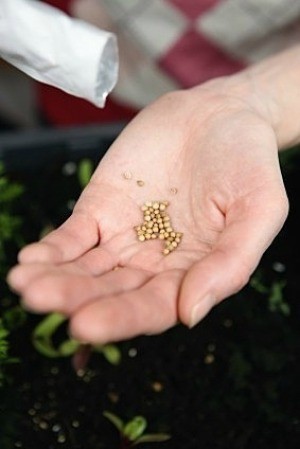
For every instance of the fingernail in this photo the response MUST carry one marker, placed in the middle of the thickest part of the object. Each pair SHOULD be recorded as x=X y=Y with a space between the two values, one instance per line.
x=201 y=309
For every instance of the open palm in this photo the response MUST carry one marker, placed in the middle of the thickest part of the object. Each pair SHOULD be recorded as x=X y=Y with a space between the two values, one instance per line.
x=215 y=161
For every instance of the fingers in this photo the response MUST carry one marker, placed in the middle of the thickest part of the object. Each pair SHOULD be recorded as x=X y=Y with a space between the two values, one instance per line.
x=78 y=234
x=67 y=291
x=228 y=267
x=94 y=262
x=150 y=309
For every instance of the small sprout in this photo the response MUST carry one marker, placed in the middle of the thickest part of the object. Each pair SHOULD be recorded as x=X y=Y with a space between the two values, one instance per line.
x=132 y=432
x=42 y=339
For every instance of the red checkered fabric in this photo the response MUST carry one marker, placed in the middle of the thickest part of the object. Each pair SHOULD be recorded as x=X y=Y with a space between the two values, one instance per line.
x=169 y=44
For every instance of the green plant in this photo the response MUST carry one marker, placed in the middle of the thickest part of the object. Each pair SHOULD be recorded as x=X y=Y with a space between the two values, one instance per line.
x=9 y=222
x=44 y=333
x=10 y=320
x=132 y=432
x=274 y=292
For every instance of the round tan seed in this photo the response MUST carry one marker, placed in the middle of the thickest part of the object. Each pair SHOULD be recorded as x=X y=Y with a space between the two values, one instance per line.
x=147 y=236
x=141 y=238
x=147 y=218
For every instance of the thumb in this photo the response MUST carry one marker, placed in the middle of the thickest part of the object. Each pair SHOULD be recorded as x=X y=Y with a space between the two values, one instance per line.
x=248 y=233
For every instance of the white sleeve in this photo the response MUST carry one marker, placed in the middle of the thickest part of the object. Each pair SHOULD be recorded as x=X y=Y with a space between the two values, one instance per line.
x=58 y=50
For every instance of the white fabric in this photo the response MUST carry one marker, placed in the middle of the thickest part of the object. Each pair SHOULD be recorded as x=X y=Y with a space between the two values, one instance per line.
x=60 y=51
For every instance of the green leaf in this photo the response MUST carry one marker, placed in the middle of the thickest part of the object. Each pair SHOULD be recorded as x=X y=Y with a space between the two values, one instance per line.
x=135 y=428
x=41 y=337
x=85 y=171
x=112 y=354
x=68 y=348
x=115 y=420
x=152 y=438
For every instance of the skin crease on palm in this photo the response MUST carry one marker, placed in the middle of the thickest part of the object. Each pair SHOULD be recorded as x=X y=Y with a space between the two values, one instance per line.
x=222 y=156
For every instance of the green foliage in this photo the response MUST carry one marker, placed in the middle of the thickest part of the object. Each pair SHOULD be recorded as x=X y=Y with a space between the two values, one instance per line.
x=132 y=432
x=9 y=223
x=274 y=293
x=10 y=320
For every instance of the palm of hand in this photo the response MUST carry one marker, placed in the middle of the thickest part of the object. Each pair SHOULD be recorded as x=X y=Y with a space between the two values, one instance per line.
x=223 y=185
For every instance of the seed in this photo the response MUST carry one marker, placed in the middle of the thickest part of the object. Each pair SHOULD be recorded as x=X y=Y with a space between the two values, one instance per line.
x=173 y=190
x=127 y=174
x=157 y=224
x=140 y=183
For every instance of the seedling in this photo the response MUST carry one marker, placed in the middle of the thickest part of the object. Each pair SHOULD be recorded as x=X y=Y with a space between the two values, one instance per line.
x=276 y=302
x=132 y=432
x=45 y=331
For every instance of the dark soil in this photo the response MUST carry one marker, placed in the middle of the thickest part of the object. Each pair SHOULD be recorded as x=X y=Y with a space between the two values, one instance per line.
x=232 y=382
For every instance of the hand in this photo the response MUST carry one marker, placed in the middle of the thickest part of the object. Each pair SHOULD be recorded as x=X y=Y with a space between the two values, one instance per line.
x=221 y=156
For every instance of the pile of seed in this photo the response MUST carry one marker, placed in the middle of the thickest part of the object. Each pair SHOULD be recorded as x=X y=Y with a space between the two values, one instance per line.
x=157 y=224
